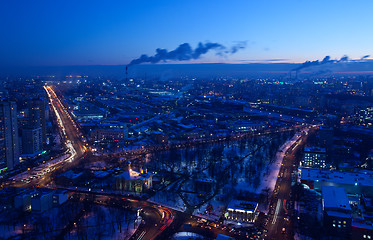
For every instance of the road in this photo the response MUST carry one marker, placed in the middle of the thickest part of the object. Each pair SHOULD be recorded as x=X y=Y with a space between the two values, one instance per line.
x=159 y=222
x=70 y=130
x=280 y=212
x=71 y=137
x=156 y=218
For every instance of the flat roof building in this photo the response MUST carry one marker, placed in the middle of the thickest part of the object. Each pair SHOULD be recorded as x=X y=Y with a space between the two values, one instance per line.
x=337 y=211
x=241 y=211
x=314 y=157
x=359 y=181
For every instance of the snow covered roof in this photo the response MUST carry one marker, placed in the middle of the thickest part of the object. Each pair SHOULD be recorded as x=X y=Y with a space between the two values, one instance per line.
x=314 y=149
x=223 y=237
x=129 y=175
x=361 y=223
x=358 y=177
x=101 y=174
x=134 y=175
x=204 y=180
x=188 y=127
x=246 y=206
x=70 y=174
x=335 y=198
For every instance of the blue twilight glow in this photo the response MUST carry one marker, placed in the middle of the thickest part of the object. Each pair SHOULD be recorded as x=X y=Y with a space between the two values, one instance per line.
x=45 y=32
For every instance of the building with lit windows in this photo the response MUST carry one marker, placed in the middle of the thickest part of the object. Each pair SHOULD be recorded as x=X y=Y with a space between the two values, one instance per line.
x=9 y=145
x=32 y=141
x=241 y=211
x=133 y=181
x=314 y=157
x=109 y=135
x=361 y=229
x=366 y=117
x=337 y=211
x=37 y=116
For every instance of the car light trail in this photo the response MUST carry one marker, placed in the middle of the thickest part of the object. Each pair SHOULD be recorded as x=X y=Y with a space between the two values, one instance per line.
x=277 y=211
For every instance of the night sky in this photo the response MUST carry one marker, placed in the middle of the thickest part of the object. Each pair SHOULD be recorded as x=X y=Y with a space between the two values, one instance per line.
x=51 y=32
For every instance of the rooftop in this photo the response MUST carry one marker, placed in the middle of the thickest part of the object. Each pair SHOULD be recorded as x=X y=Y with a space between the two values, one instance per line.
x=314 y=149
x=361 y=223
x=70 y=174
x=246 y=206
x=335 y=198
x=357 y=177
x=101 y=174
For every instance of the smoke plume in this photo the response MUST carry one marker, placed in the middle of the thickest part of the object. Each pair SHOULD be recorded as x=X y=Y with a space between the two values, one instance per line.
x=185 y=52
x=364 y=57
x=327 y=60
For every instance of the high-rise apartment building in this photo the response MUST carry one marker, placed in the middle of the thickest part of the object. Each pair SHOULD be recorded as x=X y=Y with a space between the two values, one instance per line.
x=9 y=145
x=31 y=141
x=37 y=116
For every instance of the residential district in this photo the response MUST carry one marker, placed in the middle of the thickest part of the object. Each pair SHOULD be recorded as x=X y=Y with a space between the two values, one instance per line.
x=226 y=158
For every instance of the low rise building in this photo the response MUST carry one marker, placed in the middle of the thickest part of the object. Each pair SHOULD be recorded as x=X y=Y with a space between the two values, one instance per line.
x=241 y=211
x=361 y=229
x=60 y=196
x=133 y=181
x=359 y=181
x=241 y=127
x=336 y=211
x=109 y=135
x=8 y=198
x=160 y=138
x=69 y=178
x=41 y=200
x=23 y=201
x=203 y=185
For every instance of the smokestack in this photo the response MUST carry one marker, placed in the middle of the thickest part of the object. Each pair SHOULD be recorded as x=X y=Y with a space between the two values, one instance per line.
x=126 y=73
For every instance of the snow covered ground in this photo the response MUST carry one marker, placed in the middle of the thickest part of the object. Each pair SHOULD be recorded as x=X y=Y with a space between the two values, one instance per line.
x=106 y=224
x=298 y=236
x=253 y=174
x=187 y=236
x=168 y=199
x=40 y=226
x=98 y=223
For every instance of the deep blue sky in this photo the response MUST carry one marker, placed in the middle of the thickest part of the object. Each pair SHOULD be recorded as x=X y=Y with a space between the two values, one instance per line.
x=69 y=32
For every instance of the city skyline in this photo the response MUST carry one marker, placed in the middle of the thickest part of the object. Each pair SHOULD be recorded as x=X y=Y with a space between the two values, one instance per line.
x=176 y=120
